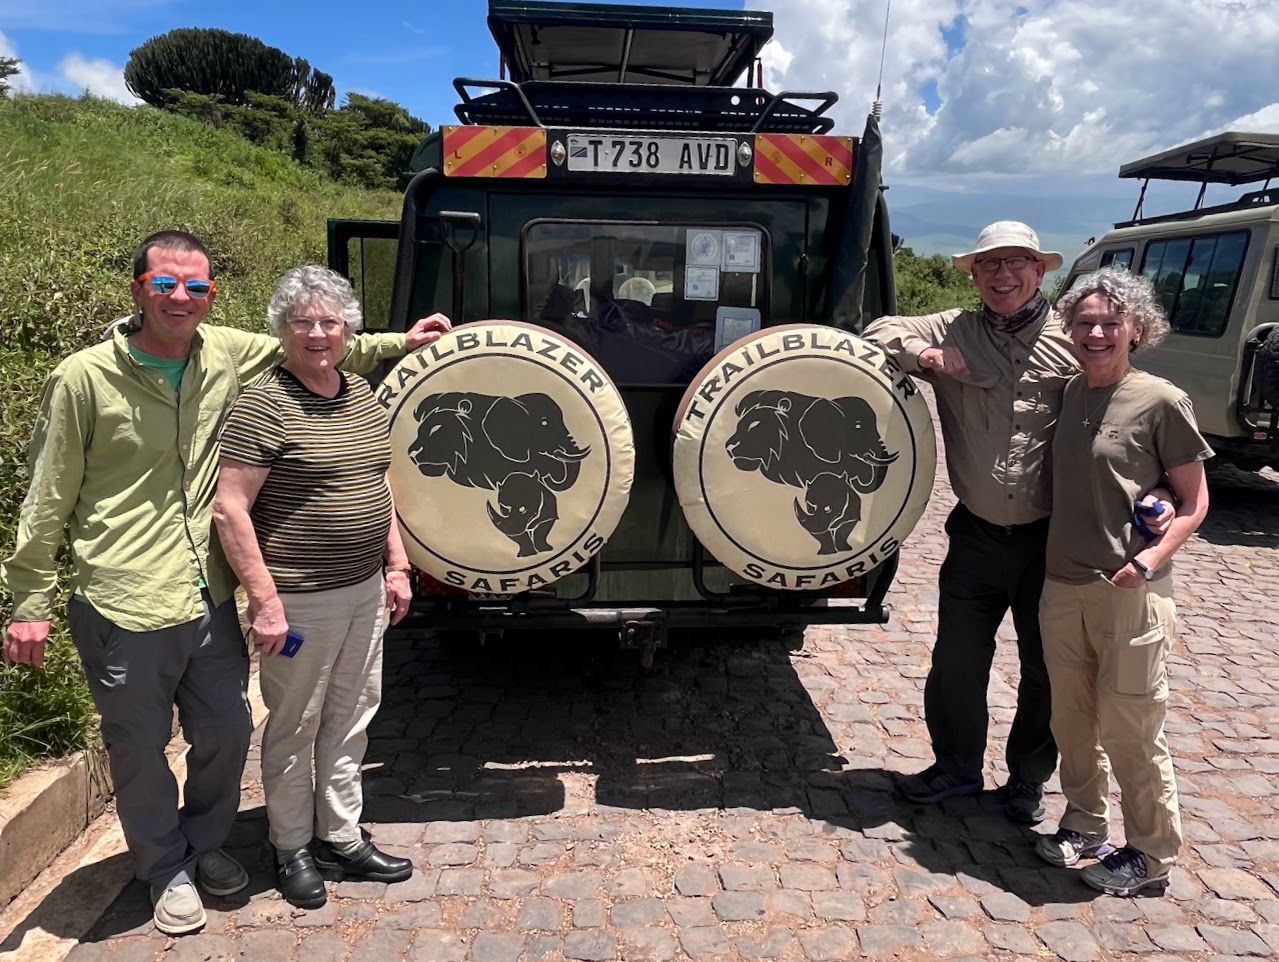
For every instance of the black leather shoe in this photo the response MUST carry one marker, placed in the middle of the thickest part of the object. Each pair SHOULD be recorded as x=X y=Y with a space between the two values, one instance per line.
x=299 y=880
x=1023 y=801
x=366 y=862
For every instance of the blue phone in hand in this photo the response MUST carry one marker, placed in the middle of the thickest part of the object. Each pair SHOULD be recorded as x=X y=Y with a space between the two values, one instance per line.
x=1142 y=511
x=292 y=642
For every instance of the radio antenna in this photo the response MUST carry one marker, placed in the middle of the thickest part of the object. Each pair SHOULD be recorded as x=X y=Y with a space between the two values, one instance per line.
x=877 y=108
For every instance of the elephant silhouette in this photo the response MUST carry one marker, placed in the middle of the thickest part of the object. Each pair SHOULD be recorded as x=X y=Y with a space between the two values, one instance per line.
x=478 y=440
x=829 y=512
x=517 y=447
x=830 y=448
x=526 y=511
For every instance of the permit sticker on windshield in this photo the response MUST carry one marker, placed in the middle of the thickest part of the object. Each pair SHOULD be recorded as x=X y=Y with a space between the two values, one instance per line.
x=701 y=283
x=734 y=323
x=741 y=251
x=702 y=248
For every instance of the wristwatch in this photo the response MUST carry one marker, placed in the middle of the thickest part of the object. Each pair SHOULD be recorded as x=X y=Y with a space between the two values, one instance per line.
x=1146 y=572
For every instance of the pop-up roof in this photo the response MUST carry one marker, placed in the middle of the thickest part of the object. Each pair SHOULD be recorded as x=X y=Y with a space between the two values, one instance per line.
x=627 y=44
x=1230 y=158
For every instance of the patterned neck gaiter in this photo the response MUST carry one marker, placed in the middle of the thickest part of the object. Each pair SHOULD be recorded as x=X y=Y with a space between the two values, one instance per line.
x=1033 y=310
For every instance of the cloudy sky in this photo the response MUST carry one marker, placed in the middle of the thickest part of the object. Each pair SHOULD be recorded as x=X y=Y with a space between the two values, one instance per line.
x=1051 y=87
x=991 y=108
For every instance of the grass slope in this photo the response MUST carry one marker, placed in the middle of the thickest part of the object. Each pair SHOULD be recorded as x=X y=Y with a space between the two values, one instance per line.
x=82 y=181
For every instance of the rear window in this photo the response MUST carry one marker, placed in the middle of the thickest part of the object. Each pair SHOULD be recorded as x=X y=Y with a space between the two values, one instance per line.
x=1196 y=279
x=1121 y=258
x=651 y=302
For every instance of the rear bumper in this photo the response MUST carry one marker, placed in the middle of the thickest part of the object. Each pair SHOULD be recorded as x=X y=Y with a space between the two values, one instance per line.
x=514 y=617
x=758 y=608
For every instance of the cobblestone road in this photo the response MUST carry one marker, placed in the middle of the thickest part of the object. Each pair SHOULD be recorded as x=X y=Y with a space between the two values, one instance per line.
x=735 y=802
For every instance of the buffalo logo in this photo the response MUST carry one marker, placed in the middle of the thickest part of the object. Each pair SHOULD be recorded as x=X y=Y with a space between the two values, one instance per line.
x=831 y=449
x=516 y=447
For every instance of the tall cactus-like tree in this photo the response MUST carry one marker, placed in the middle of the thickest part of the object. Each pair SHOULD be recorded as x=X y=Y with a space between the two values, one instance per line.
x=220 y=63
x=8 y=68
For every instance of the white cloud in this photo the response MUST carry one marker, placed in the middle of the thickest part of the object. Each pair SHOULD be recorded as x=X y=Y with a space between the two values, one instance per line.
x=75 y=75
x=1052 y=87
x=21 y=82
x=101 y=78
x=1265 y=119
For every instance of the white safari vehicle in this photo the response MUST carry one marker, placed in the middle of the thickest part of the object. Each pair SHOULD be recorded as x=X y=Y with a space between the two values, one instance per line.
x=1216 y=269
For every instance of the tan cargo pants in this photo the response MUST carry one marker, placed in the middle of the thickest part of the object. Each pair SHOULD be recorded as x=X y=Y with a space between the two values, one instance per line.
x=321 y=702
x=1107 y=654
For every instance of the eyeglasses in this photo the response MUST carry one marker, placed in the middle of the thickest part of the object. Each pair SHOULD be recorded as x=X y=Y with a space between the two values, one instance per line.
x=1015 y=263
x=167 y=284
x=303 y=325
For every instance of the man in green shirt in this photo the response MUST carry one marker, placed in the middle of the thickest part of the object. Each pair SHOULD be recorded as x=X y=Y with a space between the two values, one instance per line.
x=124 y=455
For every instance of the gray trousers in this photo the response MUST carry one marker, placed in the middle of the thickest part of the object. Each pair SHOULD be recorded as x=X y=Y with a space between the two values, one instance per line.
x=135 y=678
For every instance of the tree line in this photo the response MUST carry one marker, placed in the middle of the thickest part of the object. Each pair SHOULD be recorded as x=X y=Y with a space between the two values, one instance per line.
x=926 y=285
x=232 y=80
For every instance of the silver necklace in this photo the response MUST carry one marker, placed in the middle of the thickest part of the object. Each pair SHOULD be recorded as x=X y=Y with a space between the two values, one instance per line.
x=1104 y=401
x=1095 y=411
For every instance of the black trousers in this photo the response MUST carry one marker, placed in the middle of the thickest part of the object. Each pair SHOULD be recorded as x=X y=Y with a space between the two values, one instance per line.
x=989 y=569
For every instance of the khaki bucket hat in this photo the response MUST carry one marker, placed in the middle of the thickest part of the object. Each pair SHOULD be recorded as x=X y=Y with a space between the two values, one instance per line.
x=1006 y=233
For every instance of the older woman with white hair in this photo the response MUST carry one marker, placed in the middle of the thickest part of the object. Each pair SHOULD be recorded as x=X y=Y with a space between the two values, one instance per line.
x=1107 y=613
x=305 y=516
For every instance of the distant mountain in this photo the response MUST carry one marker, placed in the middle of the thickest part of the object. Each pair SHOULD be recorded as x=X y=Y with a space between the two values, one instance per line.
x=1064 y=213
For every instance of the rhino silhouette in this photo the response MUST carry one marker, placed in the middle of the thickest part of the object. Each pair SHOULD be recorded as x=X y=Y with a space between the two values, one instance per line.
x=526 y=511
x=517 y=447
x=829 y=511
x=831 y=448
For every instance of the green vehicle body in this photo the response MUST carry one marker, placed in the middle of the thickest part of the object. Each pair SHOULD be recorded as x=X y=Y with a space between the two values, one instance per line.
x=465 y=245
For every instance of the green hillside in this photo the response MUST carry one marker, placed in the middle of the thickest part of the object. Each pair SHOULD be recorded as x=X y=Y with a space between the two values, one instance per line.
x=82 y=181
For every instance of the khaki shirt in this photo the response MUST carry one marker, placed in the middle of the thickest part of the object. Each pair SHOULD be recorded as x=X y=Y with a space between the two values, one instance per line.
x=997 y=421
x=130 y=467
x=1113 y=445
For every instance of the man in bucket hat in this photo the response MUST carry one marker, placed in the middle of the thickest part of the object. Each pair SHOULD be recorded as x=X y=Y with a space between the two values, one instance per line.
x=997 y=373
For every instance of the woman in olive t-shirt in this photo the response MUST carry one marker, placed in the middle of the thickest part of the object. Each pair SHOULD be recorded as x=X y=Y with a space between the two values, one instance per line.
x=1107 y=613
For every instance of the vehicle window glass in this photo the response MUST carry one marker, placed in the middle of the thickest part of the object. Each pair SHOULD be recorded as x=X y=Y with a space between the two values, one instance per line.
x=1196 y=279
x=1118 y=258
x=644 y=299
x=371 y=262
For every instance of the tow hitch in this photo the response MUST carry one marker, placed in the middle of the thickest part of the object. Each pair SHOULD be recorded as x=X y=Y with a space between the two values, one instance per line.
x=647 y=635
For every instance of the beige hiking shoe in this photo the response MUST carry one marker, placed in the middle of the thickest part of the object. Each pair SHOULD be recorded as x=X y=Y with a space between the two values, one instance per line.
x=179 y=910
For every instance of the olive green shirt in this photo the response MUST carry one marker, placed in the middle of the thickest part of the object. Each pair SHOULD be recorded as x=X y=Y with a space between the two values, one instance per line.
x=130 y=467
x=997 y=421
x=1113 y=445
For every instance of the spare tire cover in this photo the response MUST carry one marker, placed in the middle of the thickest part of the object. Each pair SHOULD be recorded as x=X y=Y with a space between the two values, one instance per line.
x=511 y=456
x=803 y=456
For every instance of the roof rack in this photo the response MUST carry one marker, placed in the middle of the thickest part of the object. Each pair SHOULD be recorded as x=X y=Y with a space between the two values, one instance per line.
x=642 y=106
x=1230 y=158
x=614 y=42
x=1256 y=198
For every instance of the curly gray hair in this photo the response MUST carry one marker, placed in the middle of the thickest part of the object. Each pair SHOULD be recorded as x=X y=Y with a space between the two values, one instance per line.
x=1131 y=294
x=311 y=284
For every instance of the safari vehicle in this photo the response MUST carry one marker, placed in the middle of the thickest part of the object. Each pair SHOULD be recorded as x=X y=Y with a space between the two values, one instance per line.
x=1216 y=269
x=636 y=205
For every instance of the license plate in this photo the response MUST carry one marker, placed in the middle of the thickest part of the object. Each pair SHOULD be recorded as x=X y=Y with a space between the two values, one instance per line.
x=604 y=153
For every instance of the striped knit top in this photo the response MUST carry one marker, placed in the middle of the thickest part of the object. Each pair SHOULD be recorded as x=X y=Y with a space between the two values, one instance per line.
x=324 y=511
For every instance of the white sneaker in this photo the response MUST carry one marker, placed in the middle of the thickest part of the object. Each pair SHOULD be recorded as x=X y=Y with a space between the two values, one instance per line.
x=219 y=874
x=179 y=910
x=1066 y=847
